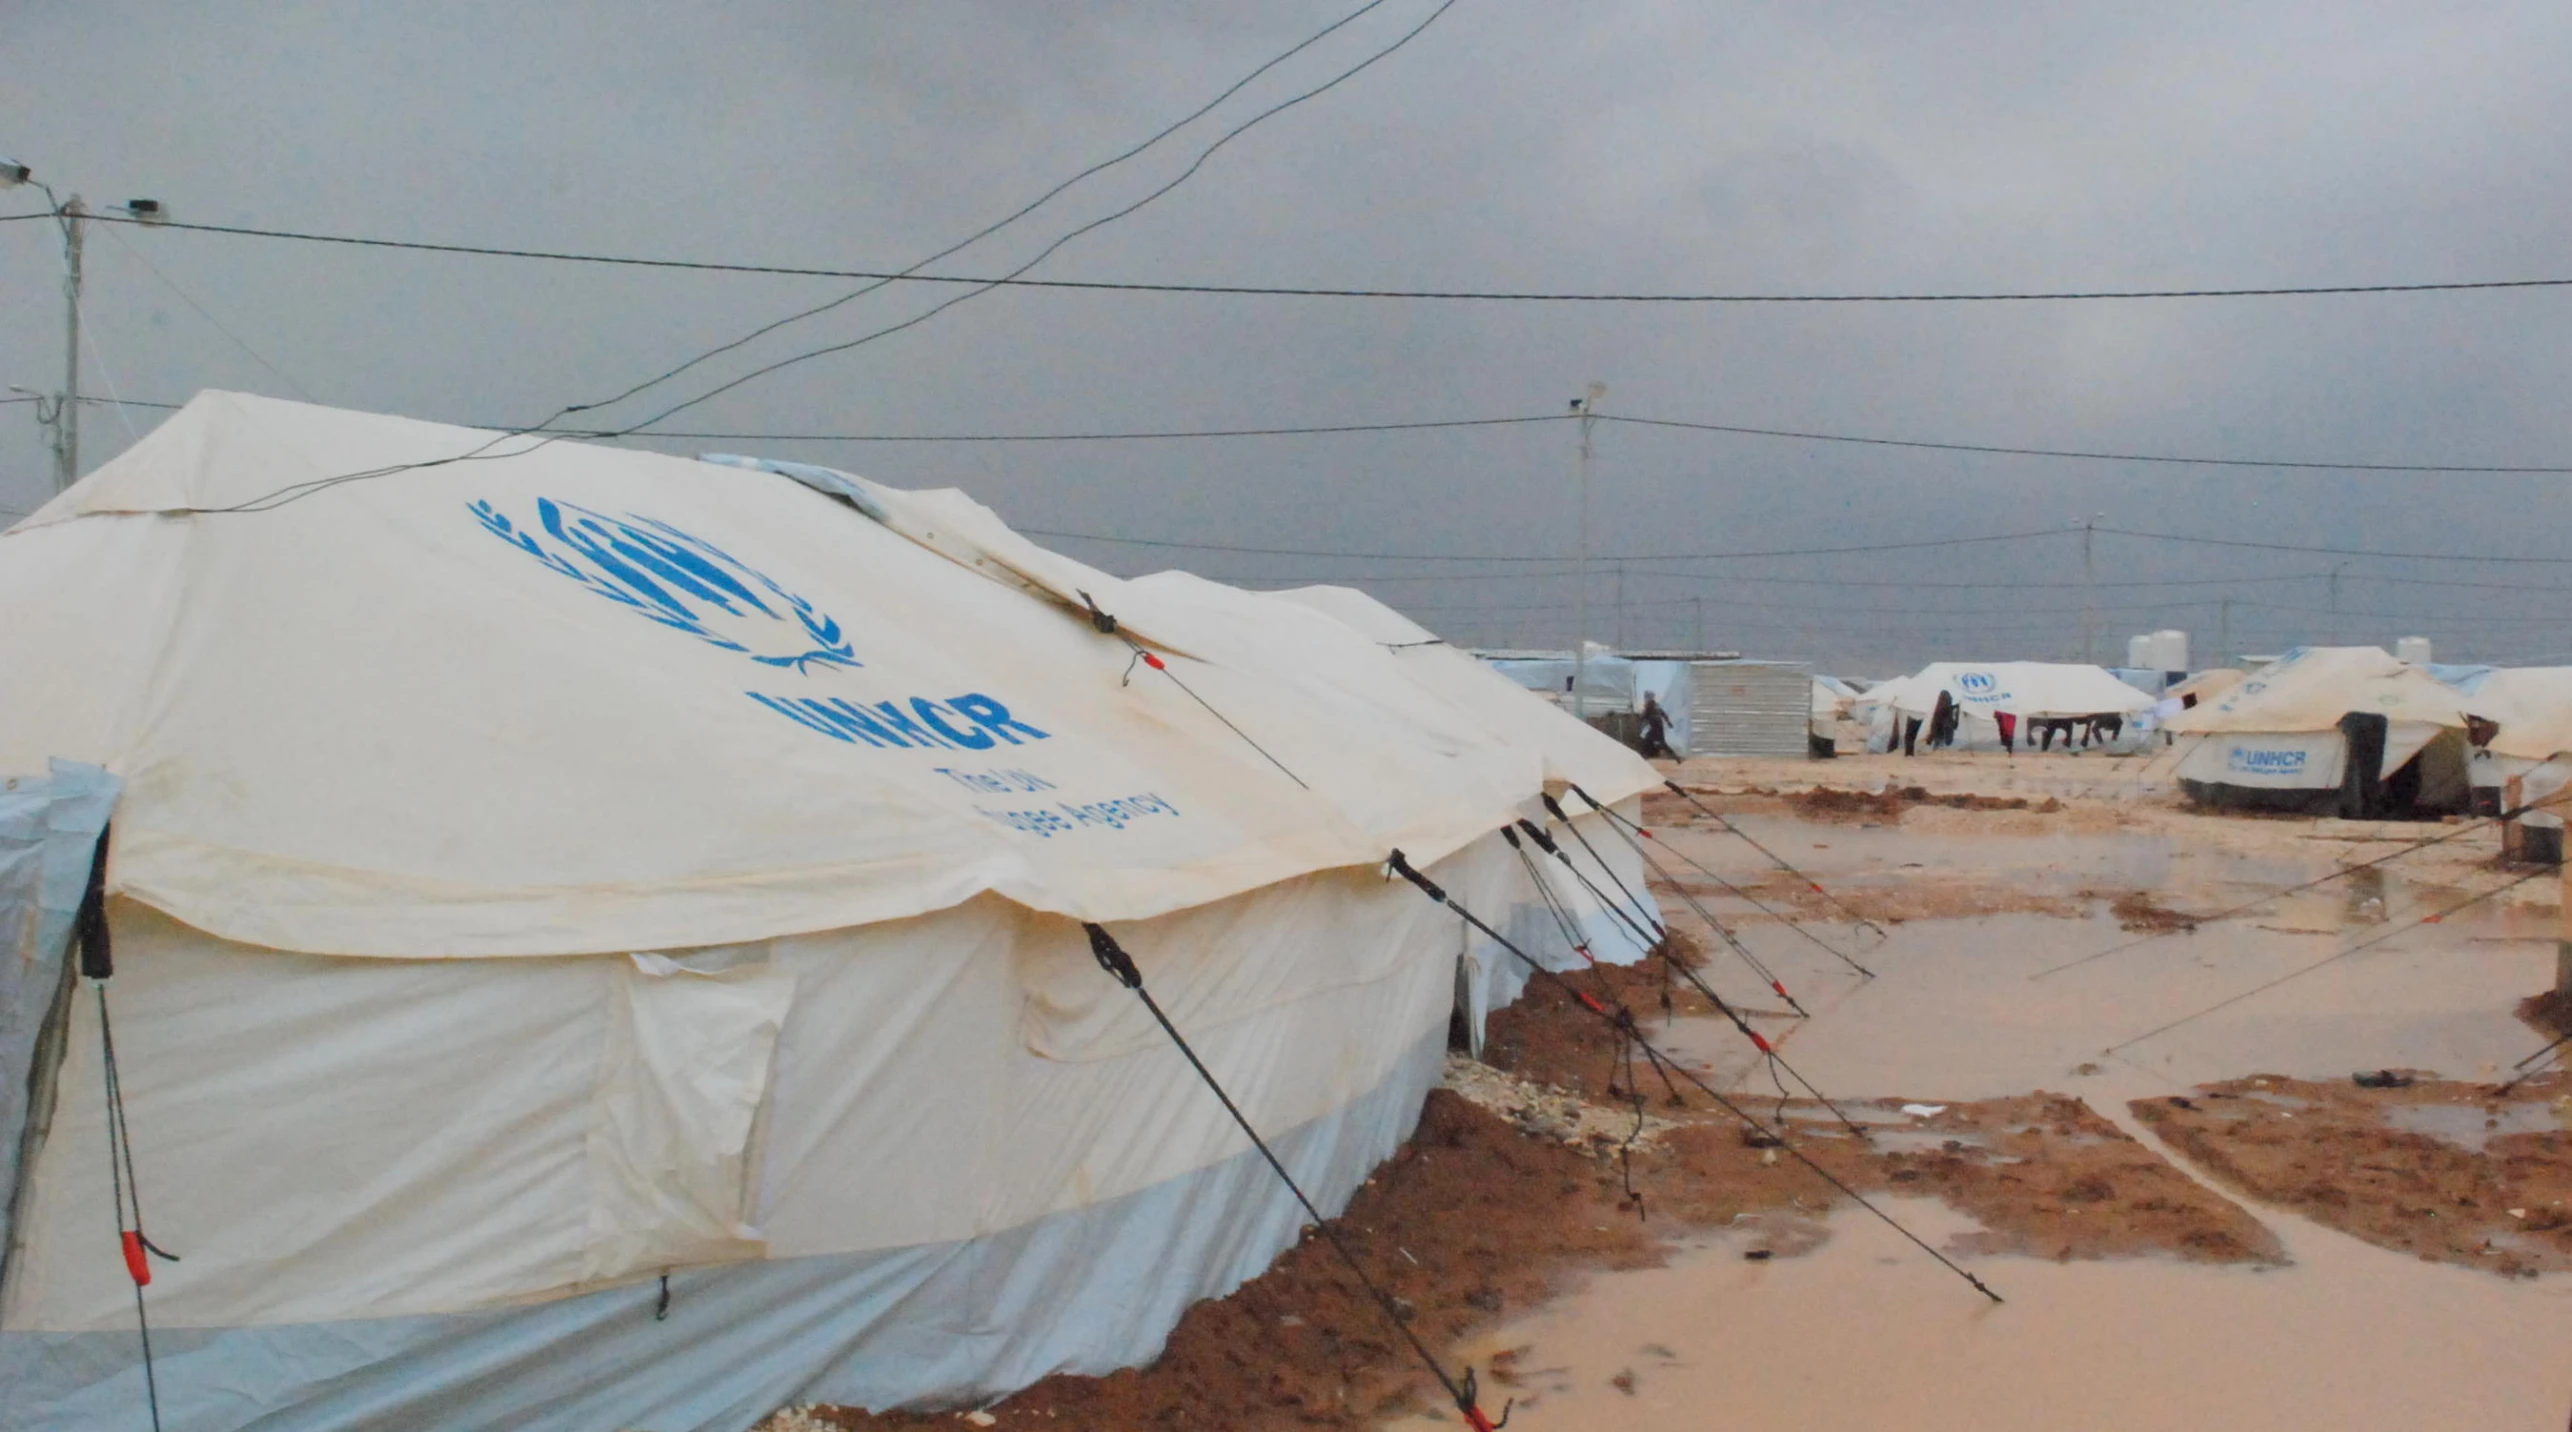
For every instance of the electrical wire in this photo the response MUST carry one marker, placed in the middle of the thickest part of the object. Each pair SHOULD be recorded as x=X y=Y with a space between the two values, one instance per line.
x=2080 y=295
x=987 y=230
x=888 y=330
x=295 y=492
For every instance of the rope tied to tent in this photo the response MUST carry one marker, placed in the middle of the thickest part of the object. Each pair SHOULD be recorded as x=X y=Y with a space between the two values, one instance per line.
x=1670 y=963
x=1108 y=625
x=1725 y=824
x=1120 y=966
x=1400 y=865
x=97 y=964
x=1731 y=941
x=1632 y=830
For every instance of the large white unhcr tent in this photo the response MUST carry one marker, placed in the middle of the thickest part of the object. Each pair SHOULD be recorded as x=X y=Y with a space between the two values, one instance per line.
x=2350 y=728
x=597 y=936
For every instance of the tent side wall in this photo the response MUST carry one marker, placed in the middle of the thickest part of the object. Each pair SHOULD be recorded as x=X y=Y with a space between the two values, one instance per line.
x=443 y=1192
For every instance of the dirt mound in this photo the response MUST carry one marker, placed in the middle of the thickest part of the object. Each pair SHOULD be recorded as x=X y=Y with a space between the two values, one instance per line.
x=2138 y=913
x=1888 y=804
x=2550 y=1012
x=2442 y=1170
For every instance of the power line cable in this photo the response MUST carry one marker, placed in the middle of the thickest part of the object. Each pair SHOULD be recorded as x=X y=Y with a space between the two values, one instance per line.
x=208 y=315
x=1049 y=250
x=2081 y=295
x=988 y=230
x=483 y=452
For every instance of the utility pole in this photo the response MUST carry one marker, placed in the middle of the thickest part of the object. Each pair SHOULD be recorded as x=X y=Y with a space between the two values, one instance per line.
x=1587 y=407
x=1622 y=643
x=1700 y=648
x=61 y=412
x=2089 y=591
x=67 y=406
x=2335 y=602
x=2224 y=634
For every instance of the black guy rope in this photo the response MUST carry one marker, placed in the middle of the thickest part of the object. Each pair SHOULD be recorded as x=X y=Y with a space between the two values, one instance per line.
x=1731 y=941
x=1401 y=866
x=1724 y=1007
x=1632 y=830
x=1120 y=966
x=1641 y=906
x=97 y=963
x=1569 y=926
x=1725 y=824
x=2195 y=921
x=1630 y=1088
x=1109 y=625
x=2296 y=974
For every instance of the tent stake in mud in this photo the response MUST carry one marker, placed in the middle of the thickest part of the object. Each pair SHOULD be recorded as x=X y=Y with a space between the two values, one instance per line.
x=1399 y=865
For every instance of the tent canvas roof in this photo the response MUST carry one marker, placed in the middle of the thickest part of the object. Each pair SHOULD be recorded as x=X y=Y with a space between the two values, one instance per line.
x=566 y=698
x=2311 y=688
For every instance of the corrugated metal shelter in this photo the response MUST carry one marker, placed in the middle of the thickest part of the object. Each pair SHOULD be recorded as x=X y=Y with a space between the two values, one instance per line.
x=1750 y=708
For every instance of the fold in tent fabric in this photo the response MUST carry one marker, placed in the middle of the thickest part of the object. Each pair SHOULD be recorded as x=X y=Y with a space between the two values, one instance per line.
x=540 y=876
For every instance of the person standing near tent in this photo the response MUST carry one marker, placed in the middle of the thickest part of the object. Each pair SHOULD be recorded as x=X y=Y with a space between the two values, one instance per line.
x=1942 y=721
x=1653 y=735
x=2008 y=723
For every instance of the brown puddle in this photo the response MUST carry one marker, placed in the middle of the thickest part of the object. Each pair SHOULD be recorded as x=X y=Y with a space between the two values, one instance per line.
x=1864 y=1334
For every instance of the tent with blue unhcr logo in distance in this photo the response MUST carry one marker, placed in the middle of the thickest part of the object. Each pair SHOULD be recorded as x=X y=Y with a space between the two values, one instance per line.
x=2346 y=729
x=595 y=939
x=2026 y=690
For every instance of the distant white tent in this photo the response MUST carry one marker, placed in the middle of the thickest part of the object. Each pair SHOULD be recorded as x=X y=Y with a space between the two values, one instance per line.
x=2532 y=708
x=552 y=888
x=2281 y=736
x=2028 y=690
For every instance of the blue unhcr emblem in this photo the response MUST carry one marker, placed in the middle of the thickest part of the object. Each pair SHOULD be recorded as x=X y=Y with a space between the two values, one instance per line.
x=680 y=581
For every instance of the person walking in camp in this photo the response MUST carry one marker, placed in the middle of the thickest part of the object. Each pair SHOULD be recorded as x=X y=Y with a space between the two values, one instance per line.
x=1653 y=738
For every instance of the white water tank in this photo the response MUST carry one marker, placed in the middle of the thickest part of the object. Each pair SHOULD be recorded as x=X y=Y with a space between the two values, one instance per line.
x=2138 y=653
x=2413 y=649
x=2169 y=651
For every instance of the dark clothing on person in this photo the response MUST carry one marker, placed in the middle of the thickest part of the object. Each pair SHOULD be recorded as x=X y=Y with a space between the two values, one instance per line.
x=1653 y=734
x=1910 y=735
x=1942 y=722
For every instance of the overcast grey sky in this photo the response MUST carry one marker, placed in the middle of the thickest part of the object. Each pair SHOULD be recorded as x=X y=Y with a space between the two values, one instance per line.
x=1664 y=145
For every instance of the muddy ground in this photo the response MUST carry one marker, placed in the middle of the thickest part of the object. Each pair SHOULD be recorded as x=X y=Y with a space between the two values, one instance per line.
x=1563 y=1154
x=2455 y=1173
x=1515 y=1186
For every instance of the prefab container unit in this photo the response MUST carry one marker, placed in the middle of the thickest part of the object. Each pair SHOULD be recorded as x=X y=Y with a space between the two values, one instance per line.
x=1750 y=708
